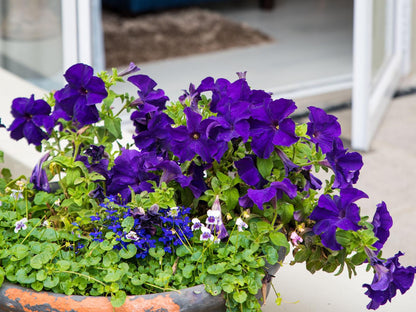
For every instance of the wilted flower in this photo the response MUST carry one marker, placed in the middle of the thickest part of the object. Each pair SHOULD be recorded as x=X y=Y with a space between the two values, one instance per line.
x=295 y=239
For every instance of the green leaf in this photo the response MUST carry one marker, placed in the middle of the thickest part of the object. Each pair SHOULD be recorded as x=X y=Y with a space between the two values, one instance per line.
x=118 y=299
x=272 y=255
x=265 y=166
x=41 y=275
x=240 y=296
x=128 y=224
x=231 y=197
x=285 y=211
x=182 y=251
x=217 y=268
x=106 y=245
x=113 y=125
x=279 y=239
x=112 y=276
x=23 y=278
x=129 y=252
x=188 y=270
x=19 y=251
x=156 y=253
x=51 y=282
x=63 y=265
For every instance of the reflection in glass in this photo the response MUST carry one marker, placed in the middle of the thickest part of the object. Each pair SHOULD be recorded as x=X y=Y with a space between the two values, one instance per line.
x=31 y=40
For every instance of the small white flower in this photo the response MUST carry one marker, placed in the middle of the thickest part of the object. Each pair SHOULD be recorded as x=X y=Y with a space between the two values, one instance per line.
x=173 y=212
x=20 y=225
x=16 y=194
x=241 y=225
x=206 y=234
x=196 y=224
x=46 y=223
x=132 y=236
x=57 y=202
x=214 y=217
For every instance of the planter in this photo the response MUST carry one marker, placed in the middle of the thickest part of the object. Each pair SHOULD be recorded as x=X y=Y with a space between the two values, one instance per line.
x=14 y=298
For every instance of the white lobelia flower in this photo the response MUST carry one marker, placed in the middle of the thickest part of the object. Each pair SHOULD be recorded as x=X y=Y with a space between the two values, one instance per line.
x=132 y=236
x=206 y=234
x=241 y=225
x=20 y=225
x=196 y=224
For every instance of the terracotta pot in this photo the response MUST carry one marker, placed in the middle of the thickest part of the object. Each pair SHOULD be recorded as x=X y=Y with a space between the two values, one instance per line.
x=15 y=298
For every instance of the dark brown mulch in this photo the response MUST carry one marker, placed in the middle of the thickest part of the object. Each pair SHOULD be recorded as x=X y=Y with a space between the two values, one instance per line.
x=173 y=33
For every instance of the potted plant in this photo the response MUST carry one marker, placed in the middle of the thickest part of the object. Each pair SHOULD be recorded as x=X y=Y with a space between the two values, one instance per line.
x=203 y=203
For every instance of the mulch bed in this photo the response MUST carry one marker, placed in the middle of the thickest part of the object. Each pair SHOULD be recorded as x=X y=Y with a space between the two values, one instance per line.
x=173 y=33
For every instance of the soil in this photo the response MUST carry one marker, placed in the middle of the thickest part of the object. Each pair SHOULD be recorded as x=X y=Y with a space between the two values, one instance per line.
x=172 y=33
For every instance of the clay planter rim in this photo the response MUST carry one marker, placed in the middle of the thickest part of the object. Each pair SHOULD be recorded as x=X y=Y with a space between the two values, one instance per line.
x=17 y=298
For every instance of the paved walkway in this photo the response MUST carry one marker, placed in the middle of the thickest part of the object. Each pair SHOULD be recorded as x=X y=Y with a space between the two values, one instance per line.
x=388 y=174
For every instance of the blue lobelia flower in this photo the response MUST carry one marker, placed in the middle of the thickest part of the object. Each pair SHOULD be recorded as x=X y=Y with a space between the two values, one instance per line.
x=148 y=96
x=382 y=223
x=30 y=116
x=346 y=166
x=271 y=126
x=77 y=99
x=322 y=128
x=337 y=212
x=130 y=170
x=389 y=277
x=39 y=177
x=189 y=140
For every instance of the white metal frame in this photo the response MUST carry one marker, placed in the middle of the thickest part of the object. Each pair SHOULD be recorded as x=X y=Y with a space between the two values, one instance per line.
x=370 y=100
x=82 y=33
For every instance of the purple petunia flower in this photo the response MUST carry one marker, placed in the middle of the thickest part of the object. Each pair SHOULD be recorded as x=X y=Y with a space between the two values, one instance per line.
x=192 y=96
x=337 y=212
x=271 y=126
x=389 y=277
x=153 y=134
x=148 y=96
x=39 y=177
x=171 y=171
x=30 y=116
x=322 y=128
x=189 y=140
x=382 y=223
x=130 y=170
x=346 y=166
x=197 y=185
x=78 y=98
x=275 y=191
x=98 y=160
x=248 y=172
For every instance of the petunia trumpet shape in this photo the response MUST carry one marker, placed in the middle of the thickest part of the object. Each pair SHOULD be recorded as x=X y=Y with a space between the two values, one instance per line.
x=389 y=277
x=30 y=117
x=336 y=212
x=78 y=98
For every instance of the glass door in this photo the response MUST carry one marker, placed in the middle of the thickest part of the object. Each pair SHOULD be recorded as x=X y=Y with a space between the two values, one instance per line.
x=381 y=57
x=40 y=39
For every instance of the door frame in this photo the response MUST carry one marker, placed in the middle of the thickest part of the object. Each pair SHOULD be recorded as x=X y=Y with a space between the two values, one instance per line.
x=370 y=98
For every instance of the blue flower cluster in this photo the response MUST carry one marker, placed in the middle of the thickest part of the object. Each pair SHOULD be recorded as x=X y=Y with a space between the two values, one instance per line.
x=155 y=227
